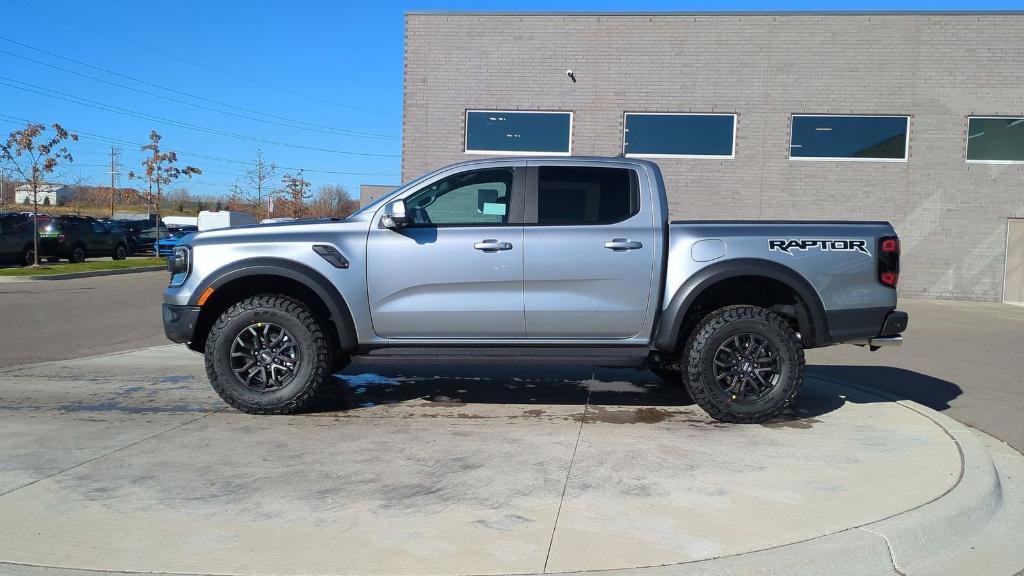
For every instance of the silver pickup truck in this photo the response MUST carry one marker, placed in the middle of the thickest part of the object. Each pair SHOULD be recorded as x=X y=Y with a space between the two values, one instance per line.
x=549 y=259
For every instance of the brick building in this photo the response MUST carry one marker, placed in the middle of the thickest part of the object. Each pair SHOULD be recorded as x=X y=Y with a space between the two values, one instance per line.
x=915 y=118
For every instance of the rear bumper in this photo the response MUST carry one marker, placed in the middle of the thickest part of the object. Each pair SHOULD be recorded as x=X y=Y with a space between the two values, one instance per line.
x=890 y=333
x=180 y=322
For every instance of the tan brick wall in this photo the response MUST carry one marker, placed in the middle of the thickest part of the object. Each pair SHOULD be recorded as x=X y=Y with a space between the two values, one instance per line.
x=938 y=69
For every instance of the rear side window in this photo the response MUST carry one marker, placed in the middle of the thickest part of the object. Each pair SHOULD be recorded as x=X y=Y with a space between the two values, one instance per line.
x=581 y=195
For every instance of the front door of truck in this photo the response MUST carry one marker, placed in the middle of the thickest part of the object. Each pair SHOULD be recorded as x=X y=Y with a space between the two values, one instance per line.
x=456 y=270
x=590 y=251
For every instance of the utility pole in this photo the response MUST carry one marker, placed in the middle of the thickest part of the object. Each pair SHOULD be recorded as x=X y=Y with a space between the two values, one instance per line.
x=115 y=172
x=3 y=181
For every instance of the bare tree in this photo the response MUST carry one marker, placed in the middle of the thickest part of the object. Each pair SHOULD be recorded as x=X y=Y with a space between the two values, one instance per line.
x=333 y=201
x=256 y=190
x=32 y=160
x=81 y=194
x=296 y=192
x=160 y=171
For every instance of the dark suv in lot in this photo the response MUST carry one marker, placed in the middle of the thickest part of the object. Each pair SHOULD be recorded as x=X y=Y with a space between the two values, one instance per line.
x=16 y=239
x=140 y=234
x=79 y=237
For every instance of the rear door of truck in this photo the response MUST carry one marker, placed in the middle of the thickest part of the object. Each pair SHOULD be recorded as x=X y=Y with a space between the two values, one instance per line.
x=590 y=249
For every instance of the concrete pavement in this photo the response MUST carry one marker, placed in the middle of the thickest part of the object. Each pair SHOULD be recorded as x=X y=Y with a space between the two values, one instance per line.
x=453 y=470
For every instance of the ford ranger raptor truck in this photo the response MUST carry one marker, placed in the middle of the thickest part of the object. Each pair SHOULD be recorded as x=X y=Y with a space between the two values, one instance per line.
x=506 y=259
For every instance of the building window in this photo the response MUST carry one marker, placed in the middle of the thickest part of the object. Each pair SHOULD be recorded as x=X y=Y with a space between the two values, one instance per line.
x=877 y=138
x=504 y=132
x=995 y=140
x=666 y=135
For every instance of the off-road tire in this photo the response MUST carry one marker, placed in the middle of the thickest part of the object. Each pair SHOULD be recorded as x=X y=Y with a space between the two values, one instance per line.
x=296 y=318
x=714 y=330
x=77 y=254
x=120 y=252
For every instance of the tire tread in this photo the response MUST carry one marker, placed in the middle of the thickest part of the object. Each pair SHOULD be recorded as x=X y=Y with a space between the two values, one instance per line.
x=286 y=305
x=697 y=346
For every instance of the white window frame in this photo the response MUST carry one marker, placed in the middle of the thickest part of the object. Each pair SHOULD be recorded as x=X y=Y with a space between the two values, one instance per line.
x=731 y=156
x=967 y=140
x=465 y=133
x=906 y=142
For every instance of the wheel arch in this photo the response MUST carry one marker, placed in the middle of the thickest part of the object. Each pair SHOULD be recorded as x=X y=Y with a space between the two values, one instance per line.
x=253 y=276
x=812 y=322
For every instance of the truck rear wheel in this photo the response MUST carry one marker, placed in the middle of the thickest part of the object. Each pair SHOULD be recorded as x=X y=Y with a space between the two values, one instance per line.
x=744 y=364
x=267 y=355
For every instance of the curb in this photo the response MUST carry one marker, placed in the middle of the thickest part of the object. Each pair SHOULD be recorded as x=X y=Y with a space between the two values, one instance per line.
x=73 y=275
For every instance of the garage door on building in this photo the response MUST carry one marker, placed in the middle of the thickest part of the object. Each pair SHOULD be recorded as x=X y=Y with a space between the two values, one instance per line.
x=1013 y=286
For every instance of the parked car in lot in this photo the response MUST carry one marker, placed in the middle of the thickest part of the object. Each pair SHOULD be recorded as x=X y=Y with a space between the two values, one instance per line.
x=76 y=238
x=16 y=239
x=510 y=259
x=141 y=234
x=165 y=246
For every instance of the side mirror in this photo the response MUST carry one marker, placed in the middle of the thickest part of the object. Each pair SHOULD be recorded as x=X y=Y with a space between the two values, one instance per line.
x=395 y=215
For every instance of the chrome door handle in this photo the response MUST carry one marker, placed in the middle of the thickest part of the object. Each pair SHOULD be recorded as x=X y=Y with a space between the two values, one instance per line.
x=492 y=245
x=622 y=244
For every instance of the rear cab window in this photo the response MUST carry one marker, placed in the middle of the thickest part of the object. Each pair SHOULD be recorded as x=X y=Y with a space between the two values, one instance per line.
x=583 y=196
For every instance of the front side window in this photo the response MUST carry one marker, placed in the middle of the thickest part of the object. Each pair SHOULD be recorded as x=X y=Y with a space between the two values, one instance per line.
x=995 y=139
x=476 y=197
x=580 y=195
x=882 y=138
x=497 y=132
x=685 y=135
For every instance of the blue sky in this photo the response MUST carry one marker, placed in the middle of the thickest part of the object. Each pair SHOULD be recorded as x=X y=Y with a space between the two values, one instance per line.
x=315 y=85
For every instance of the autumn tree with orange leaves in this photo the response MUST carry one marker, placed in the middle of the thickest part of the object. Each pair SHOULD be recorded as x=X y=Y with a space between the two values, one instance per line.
x=33 y=156
x=159 y=171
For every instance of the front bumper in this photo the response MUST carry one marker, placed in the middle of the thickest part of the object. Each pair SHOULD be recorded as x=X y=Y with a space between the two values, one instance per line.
x=180 y=322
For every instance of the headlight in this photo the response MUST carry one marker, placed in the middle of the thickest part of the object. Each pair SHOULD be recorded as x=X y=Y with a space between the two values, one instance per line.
x=178 y=265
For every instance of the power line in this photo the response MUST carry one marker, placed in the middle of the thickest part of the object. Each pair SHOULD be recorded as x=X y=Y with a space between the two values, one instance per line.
x=120 y=141
x=334 y=131
x=175 y=91
x=34 y=89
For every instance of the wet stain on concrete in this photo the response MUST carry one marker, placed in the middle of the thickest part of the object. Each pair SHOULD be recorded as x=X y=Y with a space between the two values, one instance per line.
x=533 y=413
x=176 y=378
x=645 y=415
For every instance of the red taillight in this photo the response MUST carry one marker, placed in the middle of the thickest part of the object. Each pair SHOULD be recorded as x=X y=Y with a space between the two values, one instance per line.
x=889 y=260
x=60 y=238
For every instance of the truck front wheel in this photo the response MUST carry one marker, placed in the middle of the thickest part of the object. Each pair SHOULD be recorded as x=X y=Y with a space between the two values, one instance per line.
x=744 y=364
x=267 y=354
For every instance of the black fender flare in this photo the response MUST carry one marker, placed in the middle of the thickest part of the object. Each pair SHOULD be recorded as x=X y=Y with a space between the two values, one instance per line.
x=667 y=336
x=340 y=313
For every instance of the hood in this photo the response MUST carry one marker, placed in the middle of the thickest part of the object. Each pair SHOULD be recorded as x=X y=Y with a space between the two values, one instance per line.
x=295 y=231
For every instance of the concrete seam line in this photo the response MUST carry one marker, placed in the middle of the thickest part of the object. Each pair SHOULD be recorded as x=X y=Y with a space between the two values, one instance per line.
x=114 y=451
x=568 y=472
x=888 y=545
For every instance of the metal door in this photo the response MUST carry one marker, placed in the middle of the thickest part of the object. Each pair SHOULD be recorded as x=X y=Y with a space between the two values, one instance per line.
x=457 y=271
x=1013 y=282
x=590 y=251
